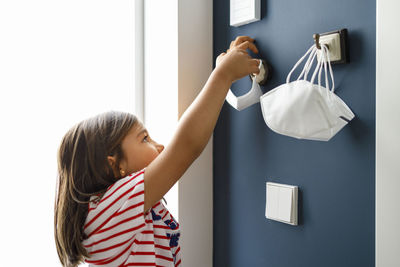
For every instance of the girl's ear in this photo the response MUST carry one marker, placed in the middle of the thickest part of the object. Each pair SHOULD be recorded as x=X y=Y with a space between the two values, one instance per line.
x=112 y=162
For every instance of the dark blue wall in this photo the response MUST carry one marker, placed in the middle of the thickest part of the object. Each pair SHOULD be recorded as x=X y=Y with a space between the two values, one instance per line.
x=336 y=178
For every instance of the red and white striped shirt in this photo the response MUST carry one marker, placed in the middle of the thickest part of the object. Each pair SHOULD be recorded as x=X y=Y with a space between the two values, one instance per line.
x=119 y=233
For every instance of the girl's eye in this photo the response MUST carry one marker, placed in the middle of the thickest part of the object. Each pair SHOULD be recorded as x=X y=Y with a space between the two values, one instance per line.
x=146 y=138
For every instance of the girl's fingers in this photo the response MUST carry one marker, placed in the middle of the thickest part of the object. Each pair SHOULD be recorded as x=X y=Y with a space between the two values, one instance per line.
x=252 y=62
x=242 y=39
x=254 y=66
x=242 y=51
x=238 y=61
x=248 y=45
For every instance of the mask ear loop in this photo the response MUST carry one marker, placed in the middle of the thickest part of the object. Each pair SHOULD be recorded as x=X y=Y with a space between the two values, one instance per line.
x=317 y=69
x=248 y=99
x=311 y=63
x=308 y=64
x=323 y=67
x=298 y=63
x=326 y=62
x=324 y=56
x=330 y=70
x=259 y=66
x=254 y=76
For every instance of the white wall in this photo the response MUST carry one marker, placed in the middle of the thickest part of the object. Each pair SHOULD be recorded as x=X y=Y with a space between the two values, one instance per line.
x=387 y=134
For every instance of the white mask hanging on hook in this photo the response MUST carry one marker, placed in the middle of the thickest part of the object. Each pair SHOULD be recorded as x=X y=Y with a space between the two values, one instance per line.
x=250 y=98
x=305 y=110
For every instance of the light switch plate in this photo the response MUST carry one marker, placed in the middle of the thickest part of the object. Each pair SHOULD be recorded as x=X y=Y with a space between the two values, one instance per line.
x=281 y=203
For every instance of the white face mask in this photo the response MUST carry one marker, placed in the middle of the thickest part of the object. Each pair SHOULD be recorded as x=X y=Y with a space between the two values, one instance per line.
x=250 y=98
x=305 y=110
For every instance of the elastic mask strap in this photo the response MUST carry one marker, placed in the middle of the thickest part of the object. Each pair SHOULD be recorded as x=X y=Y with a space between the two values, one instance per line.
x=260 y=65
x=327 y=62
x=298 y=63
x=324 y=52
x=330 y=70
x=248 y=99
x=323 y=67
x=317 y=69
x=308 y=64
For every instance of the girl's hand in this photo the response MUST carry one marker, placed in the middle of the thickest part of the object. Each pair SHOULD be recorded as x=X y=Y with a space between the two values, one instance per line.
x=236 y=62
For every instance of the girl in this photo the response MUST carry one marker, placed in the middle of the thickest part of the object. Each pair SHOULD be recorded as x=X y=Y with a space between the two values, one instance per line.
x=112 y=175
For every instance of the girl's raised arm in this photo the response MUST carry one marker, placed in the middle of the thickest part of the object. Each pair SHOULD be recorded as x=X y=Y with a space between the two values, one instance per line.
x=197 y=123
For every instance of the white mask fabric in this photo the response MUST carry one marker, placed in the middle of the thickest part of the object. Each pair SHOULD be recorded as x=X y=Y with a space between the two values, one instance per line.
x=302 y=109
x=251 y=97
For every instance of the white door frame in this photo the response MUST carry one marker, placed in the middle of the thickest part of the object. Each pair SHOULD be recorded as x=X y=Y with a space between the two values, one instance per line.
x=178 y=61
x=387 y=216
x=195 y=62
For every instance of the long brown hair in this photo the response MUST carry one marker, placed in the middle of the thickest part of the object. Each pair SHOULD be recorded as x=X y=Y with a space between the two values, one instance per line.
x=84 y=171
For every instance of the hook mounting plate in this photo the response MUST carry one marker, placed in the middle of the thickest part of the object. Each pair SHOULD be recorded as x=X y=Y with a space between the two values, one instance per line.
x=337 y=43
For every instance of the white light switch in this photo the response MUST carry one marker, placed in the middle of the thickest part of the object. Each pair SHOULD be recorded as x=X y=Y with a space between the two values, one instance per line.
x=281 y=203
x=285 y=203
x=272 y=210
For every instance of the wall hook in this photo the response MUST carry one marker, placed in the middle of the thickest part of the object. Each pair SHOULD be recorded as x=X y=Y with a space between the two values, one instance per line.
x=316 y=39
x=336 y=42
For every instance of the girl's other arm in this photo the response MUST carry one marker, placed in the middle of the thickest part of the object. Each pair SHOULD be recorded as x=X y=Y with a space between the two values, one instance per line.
x=197 y=123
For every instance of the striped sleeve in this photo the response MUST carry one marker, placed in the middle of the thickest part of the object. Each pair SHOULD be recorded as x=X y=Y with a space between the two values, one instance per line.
x=113 y=222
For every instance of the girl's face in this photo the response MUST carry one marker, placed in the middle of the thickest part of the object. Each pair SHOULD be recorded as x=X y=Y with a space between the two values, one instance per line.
x=139 y=150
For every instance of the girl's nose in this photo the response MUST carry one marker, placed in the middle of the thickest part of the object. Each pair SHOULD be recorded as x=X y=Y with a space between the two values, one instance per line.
x=160 y=148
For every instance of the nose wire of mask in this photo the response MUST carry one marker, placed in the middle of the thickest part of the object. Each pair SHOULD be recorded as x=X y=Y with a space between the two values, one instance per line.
x=250 y=98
